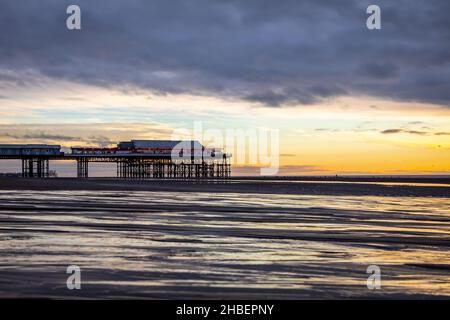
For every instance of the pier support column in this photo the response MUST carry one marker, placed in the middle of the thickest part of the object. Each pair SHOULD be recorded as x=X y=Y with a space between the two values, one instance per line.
x=35 y=167
x=136 y=168
x=82 y=167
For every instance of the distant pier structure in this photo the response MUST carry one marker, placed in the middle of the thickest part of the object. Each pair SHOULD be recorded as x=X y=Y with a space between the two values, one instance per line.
x=135 y=159
x=35 y=157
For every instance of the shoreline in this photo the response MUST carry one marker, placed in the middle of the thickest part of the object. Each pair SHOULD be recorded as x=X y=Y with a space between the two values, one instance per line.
x=235 y=185
x=437 y=179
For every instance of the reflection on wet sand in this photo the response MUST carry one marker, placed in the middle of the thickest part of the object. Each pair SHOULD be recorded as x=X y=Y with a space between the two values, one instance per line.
x=233 y=245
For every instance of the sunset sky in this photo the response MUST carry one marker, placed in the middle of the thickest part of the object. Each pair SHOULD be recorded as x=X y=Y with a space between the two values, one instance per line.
x=345 y=99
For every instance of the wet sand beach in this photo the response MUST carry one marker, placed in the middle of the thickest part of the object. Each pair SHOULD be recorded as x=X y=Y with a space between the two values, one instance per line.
x=368 y=187
x=242 y=239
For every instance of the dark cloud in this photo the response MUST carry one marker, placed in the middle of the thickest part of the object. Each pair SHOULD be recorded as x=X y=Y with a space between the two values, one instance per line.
x=416 y=122
x=420 y=133
x=330 y=130
x=287 y=155
x=273 y=52
x=416 y=132
x=390 y=131
x=100 y=141
x=40 y=136
x=379 y=70
x=271 y=98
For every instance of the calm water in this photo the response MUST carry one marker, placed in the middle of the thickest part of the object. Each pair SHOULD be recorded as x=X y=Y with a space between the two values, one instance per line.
x=185 y=245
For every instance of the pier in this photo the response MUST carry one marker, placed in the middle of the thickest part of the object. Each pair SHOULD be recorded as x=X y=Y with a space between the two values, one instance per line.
x=135 y=159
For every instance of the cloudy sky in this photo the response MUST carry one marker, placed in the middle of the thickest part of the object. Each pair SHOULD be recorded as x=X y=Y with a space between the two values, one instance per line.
x=345 y=99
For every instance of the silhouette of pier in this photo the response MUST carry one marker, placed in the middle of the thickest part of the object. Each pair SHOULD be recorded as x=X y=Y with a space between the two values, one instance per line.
x=135 y=159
